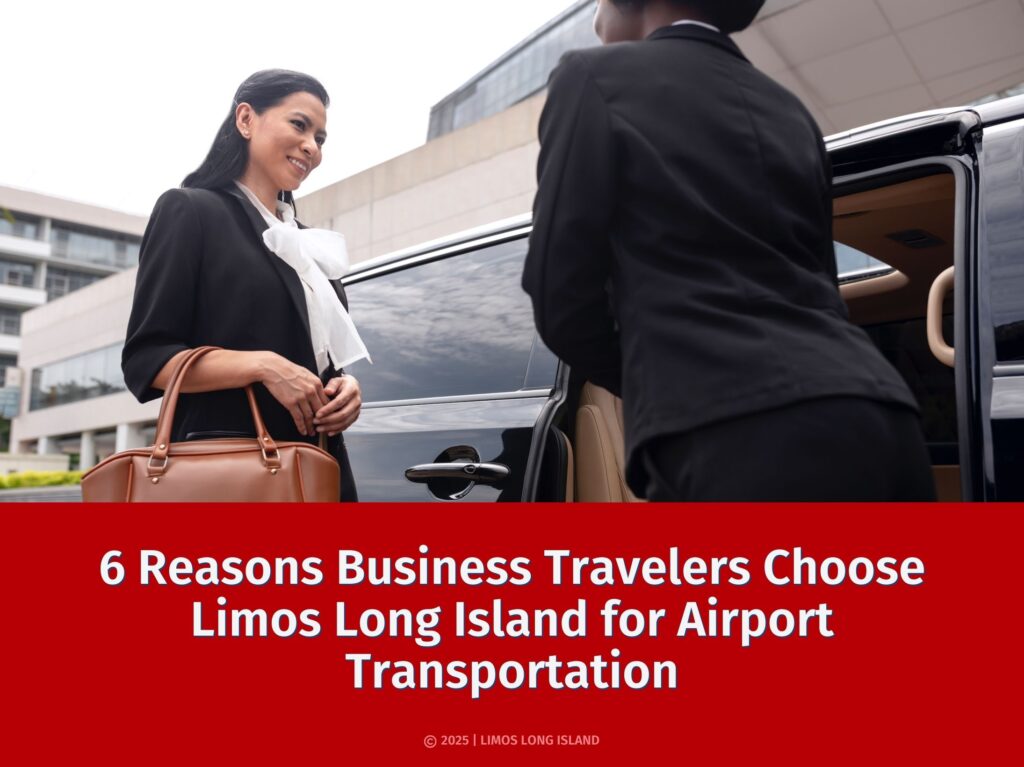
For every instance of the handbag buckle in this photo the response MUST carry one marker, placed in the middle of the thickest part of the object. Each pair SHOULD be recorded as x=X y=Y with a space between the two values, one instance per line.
x=271 y=460
x=157 y=471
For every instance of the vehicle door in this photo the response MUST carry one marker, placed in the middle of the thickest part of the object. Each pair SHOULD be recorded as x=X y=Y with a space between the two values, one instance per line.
x=459 y=378
x=1000 y=300
x=907 y=194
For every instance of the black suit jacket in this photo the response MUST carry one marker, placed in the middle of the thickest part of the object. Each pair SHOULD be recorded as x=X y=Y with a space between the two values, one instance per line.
x=206 y=278
x=682 y=252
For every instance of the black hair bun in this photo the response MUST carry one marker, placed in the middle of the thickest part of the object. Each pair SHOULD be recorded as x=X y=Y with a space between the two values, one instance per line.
x=730 y=15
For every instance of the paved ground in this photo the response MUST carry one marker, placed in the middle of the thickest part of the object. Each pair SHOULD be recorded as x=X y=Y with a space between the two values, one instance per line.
x=64 y=494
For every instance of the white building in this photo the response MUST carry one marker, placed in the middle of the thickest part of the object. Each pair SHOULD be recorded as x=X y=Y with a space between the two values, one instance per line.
x=50 y=248
x=850 y=62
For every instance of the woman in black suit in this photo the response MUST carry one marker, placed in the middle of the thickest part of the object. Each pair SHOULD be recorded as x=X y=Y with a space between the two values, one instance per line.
x=223 y=263
x=682 y=258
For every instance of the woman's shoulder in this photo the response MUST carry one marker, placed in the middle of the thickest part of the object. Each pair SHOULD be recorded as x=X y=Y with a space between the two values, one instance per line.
x=193 y=208
x=200 y=199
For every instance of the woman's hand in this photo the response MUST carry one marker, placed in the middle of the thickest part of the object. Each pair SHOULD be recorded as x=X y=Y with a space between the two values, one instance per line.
x=343 y=409
x=295 y=387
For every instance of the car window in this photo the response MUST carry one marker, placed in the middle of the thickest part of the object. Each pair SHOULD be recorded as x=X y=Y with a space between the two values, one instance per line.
x=458 y=326
x=905 y=344
x=851 y=262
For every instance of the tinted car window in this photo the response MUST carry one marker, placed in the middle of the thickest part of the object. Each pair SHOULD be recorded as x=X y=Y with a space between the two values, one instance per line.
x=849 y=261
x=1003 y=214
x=543 y=366
x=905 y=345
x=462 y=325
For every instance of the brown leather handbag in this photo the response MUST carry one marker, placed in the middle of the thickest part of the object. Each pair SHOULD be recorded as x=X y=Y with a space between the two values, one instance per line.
x=224 y=470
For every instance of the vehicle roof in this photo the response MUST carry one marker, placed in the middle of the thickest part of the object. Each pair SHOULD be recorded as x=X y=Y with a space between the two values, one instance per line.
x=1002 y=110
x=452 y=241
x=991 y=113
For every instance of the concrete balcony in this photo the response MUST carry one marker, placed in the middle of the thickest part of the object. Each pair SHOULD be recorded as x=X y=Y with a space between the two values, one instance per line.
x=25 y=298
x=19 y=246
x=10 y=345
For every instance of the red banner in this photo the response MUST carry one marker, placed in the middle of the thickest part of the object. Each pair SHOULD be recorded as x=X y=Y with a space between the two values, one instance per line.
x=554 y=634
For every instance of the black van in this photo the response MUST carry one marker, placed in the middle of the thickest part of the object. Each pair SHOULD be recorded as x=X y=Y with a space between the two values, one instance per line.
x=465 y=402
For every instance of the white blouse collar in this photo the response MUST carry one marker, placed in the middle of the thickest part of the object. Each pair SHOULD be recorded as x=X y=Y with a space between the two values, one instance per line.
x=317 y=256
x=696 y=23
x=285 y=214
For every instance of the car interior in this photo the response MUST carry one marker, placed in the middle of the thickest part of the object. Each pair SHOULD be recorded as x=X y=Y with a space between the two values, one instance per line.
x=902 y=229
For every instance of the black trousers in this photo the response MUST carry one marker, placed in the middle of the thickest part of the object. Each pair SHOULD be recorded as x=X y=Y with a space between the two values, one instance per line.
x=831 y=449
x=336 y=446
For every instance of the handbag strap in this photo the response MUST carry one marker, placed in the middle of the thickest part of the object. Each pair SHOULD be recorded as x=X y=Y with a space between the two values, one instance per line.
x=165 y=421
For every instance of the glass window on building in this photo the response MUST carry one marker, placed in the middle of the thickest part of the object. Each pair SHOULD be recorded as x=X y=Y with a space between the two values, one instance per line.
x=82 y=377
x=60 y=282
x=113 y=250
x=17 y=273
x=15 y=224
x=6 y=361
x=521 y=74
x=10 y=322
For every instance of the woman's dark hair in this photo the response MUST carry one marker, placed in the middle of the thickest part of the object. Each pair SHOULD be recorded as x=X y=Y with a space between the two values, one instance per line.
x=229 y=154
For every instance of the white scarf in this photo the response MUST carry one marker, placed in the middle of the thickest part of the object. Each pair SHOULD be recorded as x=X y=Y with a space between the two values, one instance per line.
x=317 y=256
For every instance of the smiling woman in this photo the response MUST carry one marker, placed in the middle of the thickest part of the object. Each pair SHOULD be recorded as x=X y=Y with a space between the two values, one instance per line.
x=285 y=144
x=224 y=263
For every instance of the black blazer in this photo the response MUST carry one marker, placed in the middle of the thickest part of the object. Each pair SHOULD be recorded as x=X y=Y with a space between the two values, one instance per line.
x=206 y=278
x=682 y=253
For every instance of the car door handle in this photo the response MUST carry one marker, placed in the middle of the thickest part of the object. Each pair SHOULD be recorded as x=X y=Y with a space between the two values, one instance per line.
x=484 y=473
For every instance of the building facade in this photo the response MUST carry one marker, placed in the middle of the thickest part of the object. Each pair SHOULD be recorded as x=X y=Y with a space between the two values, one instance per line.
x=851 y=63
x=51 y=248
x=520 y=73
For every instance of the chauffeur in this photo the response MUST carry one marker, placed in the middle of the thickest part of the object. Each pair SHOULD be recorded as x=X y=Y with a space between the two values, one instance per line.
x=682 y=258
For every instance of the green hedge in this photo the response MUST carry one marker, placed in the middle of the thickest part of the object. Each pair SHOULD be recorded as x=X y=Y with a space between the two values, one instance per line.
x=40 y=479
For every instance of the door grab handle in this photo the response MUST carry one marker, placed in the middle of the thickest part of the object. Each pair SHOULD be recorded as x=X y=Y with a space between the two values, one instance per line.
x=484 y=473
x=943 y=284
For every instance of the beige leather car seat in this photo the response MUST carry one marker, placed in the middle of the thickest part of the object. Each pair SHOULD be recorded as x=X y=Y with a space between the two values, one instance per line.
x=570 y=469
x=947 y=483
x=600 y=452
